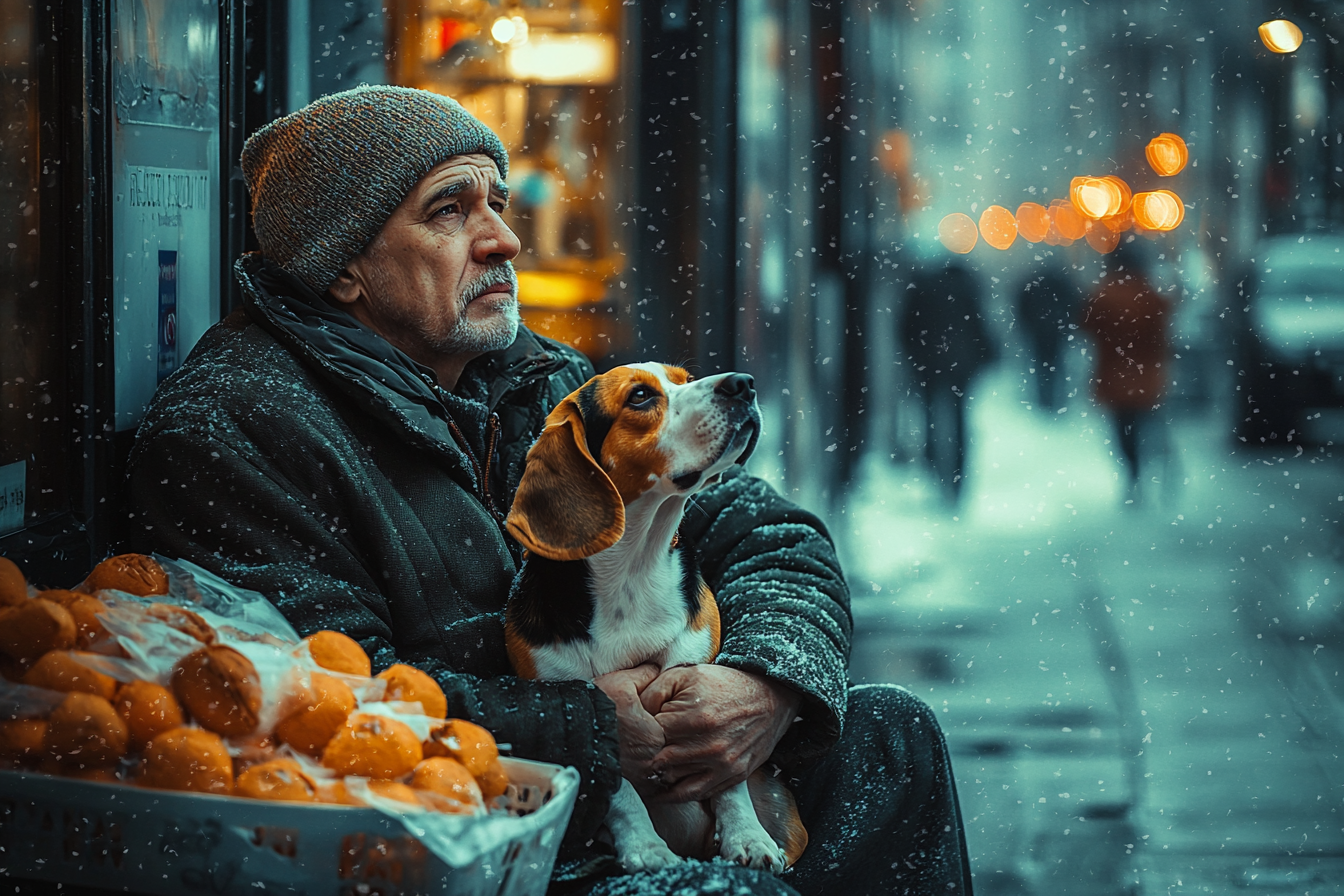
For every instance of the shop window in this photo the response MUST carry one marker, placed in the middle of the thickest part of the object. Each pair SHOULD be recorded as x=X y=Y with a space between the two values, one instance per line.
x=548 y=81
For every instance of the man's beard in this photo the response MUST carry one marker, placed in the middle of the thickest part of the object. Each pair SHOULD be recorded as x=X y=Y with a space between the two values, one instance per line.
x=464 y=335
x=488 y=336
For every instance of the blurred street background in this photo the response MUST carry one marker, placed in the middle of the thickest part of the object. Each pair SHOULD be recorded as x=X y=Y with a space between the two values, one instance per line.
x=1128 y=619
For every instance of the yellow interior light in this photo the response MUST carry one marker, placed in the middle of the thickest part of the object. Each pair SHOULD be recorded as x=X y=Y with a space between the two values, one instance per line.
x=1281 y=36
x=558 y=289
x=553 y=58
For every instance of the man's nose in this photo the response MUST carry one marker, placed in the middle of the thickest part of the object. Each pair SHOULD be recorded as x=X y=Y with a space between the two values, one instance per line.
x=737 y=385
x=497 y=244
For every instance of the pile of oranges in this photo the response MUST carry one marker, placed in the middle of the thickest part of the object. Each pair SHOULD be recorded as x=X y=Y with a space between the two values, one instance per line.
x=206 y=724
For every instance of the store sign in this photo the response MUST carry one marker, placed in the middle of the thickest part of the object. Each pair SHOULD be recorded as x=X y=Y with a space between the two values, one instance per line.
x=13 y=483
x=163 y=276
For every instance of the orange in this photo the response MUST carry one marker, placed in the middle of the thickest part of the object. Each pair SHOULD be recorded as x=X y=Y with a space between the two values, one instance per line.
x=148 y=710
x=449 y=778
x=339 y=653
x=310 y=727
x=187 y=759
x=467 y=742
x=133 y=573
x=85 y=729
x=84 y=610
x=60 y=670
x=409 y=684
x=21 y=739
x=31 y=629
x=13 y=586
x=219 y=688
x=279 y=779
x=373 y=747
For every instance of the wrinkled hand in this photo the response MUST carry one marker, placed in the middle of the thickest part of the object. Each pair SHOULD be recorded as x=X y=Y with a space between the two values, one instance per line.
x=641 y=738
x=720 y=725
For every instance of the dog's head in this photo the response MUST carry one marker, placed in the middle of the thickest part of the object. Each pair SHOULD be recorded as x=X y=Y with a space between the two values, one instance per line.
x=645 y=432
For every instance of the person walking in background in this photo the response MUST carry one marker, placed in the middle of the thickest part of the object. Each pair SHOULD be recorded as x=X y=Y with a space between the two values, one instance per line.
x=946 y=343
x=1128 y=318
x=1046 y=307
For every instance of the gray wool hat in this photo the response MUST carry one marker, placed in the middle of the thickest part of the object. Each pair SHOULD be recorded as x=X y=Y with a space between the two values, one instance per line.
x=325 y=179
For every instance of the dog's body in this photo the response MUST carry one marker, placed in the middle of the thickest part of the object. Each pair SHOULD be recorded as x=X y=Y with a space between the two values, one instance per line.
x=608 y=585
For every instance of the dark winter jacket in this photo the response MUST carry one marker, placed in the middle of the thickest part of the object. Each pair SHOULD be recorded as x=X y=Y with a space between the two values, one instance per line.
x=300 y=455
x=942 y=331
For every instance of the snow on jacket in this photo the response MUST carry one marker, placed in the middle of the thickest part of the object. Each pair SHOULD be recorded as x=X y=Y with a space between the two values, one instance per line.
x=298 y=454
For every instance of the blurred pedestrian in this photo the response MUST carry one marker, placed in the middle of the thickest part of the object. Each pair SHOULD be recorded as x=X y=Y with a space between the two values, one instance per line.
x=1128 y=318
x=946 y=343
x=1046 y=306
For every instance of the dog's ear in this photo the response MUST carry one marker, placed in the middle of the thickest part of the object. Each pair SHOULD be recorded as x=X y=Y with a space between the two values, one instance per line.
x=566 y=507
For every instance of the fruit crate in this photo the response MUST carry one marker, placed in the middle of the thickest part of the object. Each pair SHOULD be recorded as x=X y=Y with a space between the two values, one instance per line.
x=124 y=837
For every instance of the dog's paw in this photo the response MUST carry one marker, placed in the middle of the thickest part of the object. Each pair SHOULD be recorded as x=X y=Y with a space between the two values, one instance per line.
x=754 y=850
x=651 y=856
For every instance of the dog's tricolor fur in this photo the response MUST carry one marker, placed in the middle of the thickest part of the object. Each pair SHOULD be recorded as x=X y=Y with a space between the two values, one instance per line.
x=608 y=584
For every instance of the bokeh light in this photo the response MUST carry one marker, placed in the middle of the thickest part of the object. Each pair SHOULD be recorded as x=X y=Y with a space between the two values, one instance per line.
x=1126 y=194
x=1281 y=36
x=1167 y=154
x=1101 y=237
x=1033 y=222
x=1159 y=210
x=1095 y=197
x=957 y=232
x=998 y=227
x=1070 y=224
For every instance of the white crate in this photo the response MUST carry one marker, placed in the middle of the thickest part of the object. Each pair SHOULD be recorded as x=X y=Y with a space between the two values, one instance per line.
x=156 y=841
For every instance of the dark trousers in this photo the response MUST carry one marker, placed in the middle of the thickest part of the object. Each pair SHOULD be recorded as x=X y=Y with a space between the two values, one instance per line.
x=1128 y=422
x=880 y=810
x=945 y=439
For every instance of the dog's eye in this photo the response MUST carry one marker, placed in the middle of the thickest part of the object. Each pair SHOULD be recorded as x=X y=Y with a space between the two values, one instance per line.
x=641 y=397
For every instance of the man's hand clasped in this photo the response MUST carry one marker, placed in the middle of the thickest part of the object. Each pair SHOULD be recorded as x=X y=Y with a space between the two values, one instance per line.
x=694 y=731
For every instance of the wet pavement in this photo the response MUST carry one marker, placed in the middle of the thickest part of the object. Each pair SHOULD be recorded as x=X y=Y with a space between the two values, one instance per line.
x=1140 y=697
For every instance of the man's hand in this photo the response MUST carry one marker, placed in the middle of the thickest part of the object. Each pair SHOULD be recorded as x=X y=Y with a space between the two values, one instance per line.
x=641 y=738
x=720 y=724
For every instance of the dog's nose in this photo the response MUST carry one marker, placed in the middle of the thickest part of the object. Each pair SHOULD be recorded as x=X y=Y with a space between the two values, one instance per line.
x=737 y=385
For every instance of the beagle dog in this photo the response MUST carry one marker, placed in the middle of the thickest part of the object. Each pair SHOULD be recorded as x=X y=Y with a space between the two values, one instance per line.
x=607 y=583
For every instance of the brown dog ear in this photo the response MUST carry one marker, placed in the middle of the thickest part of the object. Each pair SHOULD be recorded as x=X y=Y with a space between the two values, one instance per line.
x=566 y=507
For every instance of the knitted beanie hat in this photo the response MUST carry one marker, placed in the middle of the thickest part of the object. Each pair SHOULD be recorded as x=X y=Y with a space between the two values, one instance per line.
x=325 y=179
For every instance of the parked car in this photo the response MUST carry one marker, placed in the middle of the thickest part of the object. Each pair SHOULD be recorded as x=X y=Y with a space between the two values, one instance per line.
x=1292 y=346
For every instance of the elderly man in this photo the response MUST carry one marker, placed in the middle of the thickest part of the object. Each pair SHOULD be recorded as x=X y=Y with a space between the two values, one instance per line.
x=349 y=442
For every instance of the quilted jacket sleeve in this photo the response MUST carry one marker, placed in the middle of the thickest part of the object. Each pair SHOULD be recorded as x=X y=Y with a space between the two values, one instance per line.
x=783 y=601
x=261 y=537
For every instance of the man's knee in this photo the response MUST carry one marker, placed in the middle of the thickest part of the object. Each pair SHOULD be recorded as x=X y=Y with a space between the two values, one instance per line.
x=889 y=715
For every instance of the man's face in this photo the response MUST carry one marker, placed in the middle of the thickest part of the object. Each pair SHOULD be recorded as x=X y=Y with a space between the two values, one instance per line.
x=438 y=279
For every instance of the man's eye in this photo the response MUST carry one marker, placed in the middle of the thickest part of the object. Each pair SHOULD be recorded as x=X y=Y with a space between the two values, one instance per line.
x=641 y=397
x=450 y=209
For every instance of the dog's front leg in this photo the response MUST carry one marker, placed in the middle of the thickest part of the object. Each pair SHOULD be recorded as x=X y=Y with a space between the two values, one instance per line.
x=741 y=837
x=638 y=845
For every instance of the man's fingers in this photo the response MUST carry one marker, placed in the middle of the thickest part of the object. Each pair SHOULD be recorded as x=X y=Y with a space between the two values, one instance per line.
x=660 y=690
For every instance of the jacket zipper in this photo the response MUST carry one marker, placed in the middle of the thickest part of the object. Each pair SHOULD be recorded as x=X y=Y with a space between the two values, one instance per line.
x=482 y=475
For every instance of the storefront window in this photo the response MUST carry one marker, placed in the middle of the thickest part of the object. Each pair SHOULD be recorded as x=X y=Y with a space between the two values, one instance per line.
x=547 y=79
x=33 y=379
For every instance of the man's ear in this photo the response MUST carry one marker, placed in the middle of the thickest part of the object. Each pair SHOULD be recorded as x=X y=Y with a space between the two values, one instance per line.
x=566 y=507
x=345 y=288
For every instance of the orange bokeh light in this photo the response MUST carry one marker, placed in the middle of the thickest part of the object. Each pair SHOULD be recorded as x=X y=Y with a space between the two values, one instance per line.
x=1121 y=222
x=1167 y=154
x=957 y=232
x=1070 y=224
x=1281 y=36
x=998 y=227
x=1126 y=194
x=1101 y=237
x=1160 y=210
x=1033 y=221
x=1095 y=197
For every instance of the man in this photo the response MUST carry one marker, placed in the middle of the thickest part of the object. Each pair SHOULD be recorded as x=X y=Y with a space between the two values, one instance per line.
x=1127 y=317
x=946 y=341
x=349 y=443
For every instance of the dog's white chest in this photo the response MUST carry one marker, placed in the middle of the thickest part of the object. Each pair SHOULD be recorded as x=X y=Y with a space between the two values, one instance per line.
x=636 y=619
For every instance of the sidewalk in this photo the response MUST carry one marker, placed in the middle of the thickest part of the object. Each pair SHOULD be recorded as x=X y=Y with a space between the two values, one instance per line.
x=1116 y=724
